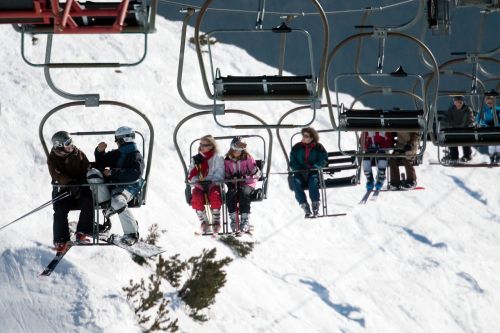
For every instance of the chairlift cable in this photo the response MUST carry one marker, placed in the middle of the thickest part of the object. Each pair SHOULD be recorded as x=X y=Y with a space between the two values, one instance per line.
x=334 y=12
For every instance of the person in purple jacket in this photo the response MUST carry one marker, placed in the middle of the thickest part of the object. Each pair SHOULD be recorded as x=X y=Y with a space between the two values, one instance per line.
x=243 y=173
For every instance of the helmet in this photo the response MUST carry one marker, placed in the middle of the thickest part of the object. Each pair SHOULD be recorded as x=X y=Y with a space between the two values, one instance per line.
x=61 y=139
x=124 y=134
x=237 y=144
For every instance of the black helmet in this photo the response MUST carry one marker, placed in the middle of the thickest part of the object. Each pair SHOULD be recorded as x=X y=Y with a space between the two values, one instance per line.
x=61 y=139
x=124 y=134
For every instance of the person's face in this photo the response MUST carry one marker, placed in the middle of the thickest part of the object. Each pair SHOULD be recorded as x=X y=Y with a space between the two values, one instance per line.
x=237 y=153
x=458 y=104
x=69 y=149
x=489 y=103
x=205 y=146
x=306 y=137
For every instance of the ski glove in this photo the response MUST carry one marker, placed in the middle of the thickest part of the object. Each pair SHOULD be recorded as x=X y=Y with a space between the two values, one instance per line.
x=75 y=191
x=408 y=146
x=198 y=159
x=206 y=185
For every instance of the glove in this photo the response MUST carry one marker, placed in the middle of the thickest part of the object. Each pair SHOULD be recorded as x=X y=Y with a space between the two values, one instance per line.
x=408 y=146
x=206 y=185
x=75 y=191
x=198 y=159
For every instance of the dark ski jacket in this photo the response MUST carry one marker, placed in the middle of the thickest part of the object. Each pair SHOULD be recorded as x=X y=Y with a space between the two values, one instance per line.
x=457 y=118
x=126 y=163
x=311 y=156
x=68 y=168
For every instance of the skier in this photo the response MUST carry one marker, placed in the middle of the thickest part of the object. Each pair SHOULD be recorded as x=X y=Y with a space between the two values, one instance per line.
x=375 y=142
x=306 y=157
x=459 y=115
x=485 y=119
x=122 y=165
x=406 y=144
x=206 y=173
x=68 y=166
x=239 y=164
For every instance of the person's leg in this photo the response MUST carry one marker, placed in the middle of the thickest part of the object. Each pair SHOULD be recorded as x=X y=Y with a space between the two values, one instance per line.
x=367 y=169
x=298 y=189
x=214 y=196
x=381 y=169
x=411 y=175
x=467 y=153
x=61 y=210
x=453 y=153
x=395 y=180
x=86 y=219
x=119 y=204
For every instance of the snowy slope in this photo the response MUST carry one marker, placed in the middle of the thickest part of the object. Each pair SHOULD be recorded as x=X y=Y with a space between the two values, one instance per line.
x=425 y=261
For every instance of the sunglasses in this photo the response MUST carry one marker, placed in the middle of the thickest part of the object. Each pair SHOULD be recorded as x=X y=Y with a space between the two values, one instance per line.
x=66 y=143
x=205 y=145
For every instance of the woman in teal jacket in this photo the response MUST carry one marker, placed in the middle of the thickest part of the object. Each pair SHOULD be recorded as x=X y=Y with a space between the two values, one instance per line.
x=306 y=157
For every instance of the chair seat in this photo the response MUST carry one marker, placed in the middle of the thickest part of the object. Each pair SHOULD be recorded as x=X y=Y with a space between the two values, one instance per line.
x=469 y=136
x=367 y=120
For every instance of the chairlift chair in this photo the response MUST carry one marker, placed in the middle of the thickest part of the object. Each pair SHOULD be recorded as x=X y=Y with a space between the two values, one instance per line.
x=264 y=164
x=147 y=152
x=304 y=89
x=466 y=136
x=393 y=120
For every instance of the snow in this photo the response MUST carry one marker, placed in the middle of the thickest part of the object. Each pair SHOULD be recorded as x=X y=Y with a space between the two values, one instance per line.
x=420 y=261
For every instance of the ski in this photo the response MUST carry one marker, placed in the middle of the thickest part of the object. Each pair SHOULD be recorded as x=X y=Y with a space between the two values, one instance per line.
x=53 y=264
x=402 y=190
x=328 y=215
x=375 y=195
x=141 y=249
x=365 y=197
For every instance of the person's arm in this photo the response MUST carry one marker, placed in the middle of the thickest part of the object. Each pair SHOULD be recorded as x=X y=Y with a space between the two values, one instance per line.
x=322 y=156
x=56 y=174
x=132 y=172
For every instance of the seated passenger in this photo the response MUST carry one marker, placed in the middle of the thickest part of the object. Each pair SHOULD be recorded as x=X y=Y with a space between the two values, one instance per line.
x=240 y=167
x=122 y=165
x=485 y=119
x=306 y=157
x=206 y=173
x=459 y=115
x=375 y=142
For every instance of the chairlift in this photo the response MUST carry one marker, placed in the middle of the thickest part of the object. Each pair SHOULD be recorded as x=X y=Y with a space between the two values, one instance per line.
x=260 y=192
x=147 y=152
x=52 y=17
x=340 y=170
x=304 y=89
x=466 y=136
x=393 y=120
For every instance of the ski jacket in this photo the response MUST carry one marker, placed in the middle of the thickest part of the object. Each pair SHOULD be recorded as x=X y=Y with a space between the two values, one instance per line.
x=457 y=118
x=485 y=117
x=211 y=168
x=375 y=140
x=310 y=156
x=126 y=164
x=245 y=168
x=68 y=168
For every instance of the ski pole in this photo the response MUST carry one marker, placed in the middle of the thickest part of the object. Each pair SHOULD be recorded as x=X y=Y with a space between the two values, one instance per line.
x=48 y=203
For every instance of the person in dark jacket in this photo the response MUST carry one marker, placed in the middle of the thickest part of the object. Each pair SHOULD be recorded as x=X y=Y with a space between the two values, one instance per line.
x=486 y=118
x=122 y=165
x=459 y=115
x=68 y=167
x=306 y=157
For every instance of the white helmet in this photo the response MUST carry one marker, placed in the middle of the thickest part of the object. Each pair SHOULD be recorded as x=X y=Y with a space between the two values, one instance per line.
x=124 y=134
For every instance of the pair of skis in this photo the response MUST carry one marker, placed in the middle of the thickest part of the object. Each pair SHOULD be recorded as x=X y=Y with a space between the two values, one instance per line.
x=376 y=193
x=141 y=249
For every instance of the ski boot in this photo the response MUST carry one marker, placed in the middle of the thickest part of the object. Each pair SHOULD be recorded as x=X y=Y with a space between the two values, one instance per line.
x=245 y=225
x=315 y=208
x=307 y=210
x=82 y=238
x=130 y=239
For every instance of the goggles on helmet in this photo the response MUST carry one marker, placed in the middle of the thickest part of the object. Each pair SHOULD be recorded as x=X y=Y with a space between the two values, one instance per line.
x=61 y=145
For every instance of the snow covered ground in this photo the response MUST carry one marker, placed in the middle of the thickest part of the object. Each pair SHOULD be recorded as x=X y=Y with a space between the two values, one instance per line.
x=420 y=261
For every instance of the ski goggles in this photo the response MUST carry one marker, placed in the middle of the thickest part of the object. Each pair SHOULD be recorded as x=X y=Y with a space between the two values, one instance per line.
x=67 y=143
x=236 y=148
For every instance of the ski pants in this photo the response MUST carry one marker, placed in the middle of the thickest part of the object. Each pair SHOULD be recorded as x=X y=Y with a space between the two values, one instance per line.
x=411 y=175
x=214 y=198
x=61 y=210
x=381 y=163
x=309 y=181
x=239 y=195
x=119 y=201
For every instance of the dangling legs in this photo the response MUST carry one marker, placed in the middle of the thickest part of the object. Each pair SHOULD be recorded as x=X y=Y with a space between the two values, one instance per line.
x=300 y=196
x=313 y=185
x=367 y=169
x=381 y=168
x=129 y=224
